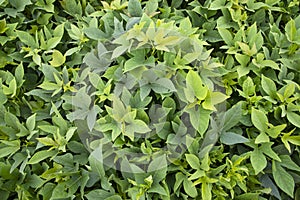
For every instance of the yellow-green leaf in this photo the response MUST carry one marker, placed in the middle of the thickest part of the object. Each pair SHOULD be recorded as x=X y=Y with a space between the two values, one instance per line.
x=58 y=59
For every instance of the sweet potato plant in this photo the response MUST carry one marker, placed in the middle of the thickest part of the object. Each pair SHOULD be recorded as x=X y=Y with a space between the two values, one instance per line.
x=158 y=99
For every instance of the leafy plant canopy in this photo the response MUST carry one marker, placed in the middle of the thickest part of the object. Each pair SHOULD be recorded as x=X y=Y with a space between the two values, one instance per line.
x=158 y=99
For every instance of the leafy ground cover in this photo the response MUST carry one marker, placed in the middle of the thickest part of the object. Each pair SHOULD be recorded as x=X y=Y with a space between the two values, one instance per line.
x=149 y=99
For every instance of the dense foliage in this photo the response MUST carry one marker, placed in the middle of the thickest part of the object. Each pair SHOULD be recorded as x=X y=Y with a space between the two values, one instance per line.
x=158 y=99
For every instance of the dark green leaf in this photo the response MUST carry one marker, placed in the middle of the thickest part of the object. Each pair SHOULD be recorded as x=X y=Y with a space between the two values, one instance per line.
x=258 y=160
x=135 y=8
x=283 y=179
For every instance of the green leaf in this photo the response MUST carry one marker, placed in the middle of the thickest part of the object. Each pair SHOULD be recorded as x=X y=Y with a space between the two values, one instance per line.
x=189 y=188
x=11 y=89
x=268 y=86
x=293 y=118
x=230 y=138
x=35 y=181
x=97 y=164
x=59 y=192
x=151 y=7
x=289 y=90
x=30 y=122
x=193 y=161
x=97 y=194
x=20 y=5
x=119 y=51
x=53 y=42
x=199 y=119
x=136 y=62
x=19 y=75
x=270 y=63
x=226 y=35
x=27 y=39
x=94 y=33
x=57 y=59
x=287 y=162
x=158 y=168
x=232 y=117
x=92 y=117
x=3 y=26
x=11 y=120
x=283 y=179
x=248 y=196
x=217 y=4
x=40 y=156
x=49 y=86
x=163 y=85
x=266 y=148
x=206 y=191
x=135 y=8
x=248 y=87
x=72 y=7
x=5 y=151
x=166 y=41
x=179 y=179
x=258 y=160
x=261 y=138
x=158 y=189
x=140 y=126
x=274 y=131
x=47 y=141
x=290 y=30
x=194 y=81
x=259 y=120
x=246 y=49
x=242 y=59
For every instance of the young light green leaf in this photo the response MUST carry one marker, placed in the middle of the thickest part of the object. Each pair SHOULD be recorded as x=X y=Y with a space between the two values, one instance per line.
x=289 y=90
x=11 y=89
x=194 y=81
x=206 y=191
x=57 y=59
